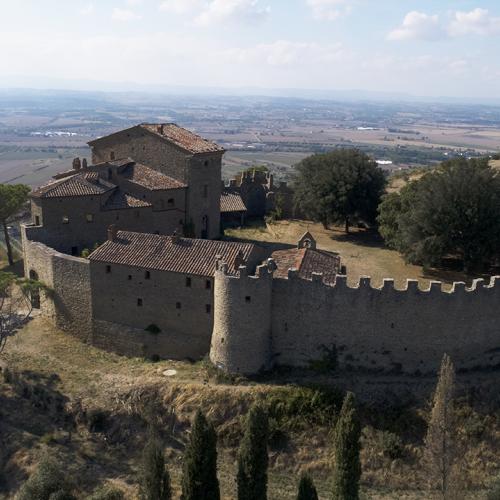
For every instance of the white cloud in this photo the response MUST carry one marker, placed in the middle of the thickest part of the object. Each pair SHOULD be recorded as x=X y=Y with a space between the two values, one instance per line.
x=418 y=26
x=133 y=3
x=217 y=11
x=180 y=6
x=476 y=22
x=87 y=9
x=329 y=9
x=124 y=15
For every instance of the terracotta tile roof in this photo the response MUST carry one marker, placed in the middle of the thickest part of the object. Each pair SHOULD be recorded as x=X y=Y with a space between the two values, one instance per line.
x=168 y=253
x=120 y=200
x=307 y=261
x=231 y=202
x=149 y=178
x=81 y=184
x=183 y=138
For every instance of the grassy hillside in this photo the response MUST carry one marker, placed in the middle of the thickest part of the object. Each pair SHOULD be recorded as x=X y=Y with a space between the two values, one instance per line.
x=51 y=376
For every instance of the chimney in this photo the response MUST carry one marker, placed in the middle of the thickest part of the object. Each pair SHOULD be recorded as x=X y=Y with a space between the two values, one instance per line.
x=84 y=163
x=76 y=164
x=112 y=232
x=175 y=238
x=160 y=129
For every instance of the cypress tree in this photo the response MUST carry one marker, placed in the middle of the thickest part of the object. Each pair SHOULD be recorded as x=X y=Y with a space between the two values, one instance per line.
x=154 y=479
x=347 y=467
x=252 y=458
x=307 y=490
x=199 y=478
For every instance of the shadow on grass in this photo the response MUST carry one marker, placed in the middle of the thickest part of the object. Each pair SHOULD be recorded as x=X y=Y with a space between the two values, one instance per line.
x=17 y=268
x=362 y=237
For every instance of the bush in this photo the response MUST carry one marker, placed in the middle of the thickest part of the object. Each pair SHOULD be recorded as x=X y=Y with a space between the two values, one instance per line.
x=494 y=493
x=391 y=445
x=295 y=407
x=107 y=493
x=152 y=328
x=48 y=482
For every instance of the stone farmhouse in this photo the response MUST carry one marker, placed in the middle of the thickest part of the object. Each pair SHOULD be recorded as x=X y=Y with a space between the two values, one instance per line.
x=160 y=283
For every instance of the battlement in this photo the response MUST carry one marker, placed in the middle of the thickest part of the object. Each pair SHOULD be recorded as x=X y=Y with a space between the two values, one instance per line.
x=411 y=285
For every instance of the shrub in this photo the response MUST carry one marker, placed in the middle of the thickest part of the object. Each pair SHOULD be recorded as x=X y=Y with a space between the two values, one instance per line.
x=494 y=493
x=107 y=493
x=48 y=482
x=391 y=445
x=295 y=407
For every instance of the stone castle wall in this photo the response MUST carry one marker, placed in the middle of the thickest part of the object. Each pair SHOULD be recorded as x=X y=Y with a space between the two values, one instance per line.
x=68 y=302
x=383 y=330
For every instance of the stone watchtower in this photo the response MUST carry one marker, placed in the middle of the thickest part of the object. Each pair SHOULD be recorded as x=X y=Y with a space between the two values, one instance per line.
x=241 y=338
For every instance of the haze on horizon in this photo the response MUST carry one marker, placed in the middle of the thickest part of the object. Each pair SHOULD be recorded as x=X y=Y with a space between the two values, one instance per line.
x=423 y=48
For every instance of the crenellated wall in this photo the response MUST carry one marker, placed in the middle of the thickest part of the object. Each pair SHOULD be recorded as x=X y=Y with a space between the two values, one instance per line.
x=377 y=329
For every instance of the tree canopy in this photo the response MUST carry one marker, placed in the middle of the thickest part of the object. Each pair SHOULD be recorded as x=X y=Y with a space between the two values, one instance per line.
x=347 y=466
x=12 y=198
x=453 y=211
x=343 y=186
x=199 y=478
x=252 y=457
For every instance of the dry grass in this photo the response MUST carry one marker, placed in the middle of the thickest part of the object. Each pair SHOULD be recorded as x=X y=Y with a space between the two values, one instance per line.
x=127 y=390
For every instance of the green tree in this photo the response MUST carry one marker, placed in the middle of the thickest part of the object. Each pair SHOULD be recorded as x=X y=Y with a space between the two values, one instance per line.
x=307 y=490
x=442 y=455
x=199 y=478
x=12 y=198
x=347 y=466
x=154 y=477
x=48 y=482
x=16 y=302
x=453 y=211
x=343 y=186
x=252 y=457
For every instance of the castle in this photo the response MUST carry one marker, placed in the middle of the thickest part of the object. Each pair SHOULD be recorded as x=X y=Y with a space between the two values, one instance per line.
x=128 y=249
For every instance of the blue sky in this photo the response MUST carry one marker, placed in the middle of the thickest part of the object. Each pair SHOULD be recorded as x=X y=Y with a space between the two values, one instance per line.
x=428 y=48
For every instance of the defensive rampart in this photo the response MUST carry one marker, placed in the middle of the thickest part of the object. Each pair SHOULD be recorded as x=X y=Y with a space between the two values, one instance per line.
x=377 y=329
x=68 y=299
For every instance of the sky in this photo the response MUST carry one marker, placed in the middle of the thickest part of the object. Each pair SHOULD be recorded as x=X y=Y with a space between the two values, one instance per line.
x=424 y=48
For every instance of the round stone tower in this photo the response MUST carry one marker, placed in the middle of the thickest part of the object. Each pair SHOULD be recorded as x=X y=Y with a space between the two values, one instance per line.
x=241 y=338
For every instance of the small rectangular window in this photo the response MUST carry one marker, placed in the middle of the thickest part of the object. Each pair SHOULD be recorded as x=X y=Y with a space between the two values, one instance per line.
x=65 y=219
x=90 y=217
x=129 y=277
x=37 y=220
x=112 y=155
x=139 y=302
x=108 y=269
x=208 y=308
x=248 y=299
x=170 y=202
x=188 y=281
x=147 y=275
x=208 y=284
x=178 y=305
